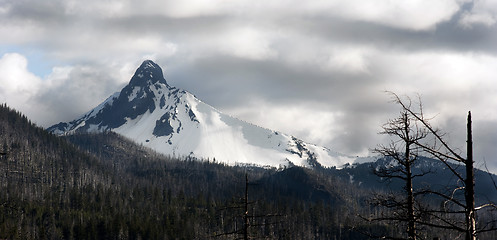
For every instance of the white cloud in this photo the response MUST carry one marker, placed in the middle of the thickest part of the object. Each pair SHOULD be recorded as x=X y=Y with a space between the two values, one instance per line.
x=17 y=85
x=293 y=119
x=174 y=9
x=104 y=46
x=248 y=43
x=349 y=59
x=13 y=32
x=192 y=8
x=99 y=9
x=469 y=19
x=68 y=91
x=412 y=15
x=15 y=77
x=4 y=9
x=445 y=78
x=484 y=12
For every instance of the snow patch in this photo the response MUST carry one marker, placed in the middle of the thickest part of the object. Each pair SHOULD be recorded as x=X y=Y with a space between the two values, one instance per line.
x=134 y=93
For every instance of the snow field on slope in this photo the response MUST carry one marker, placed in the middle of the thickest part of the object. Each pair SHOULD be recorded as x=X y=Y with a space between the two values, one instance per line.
x=218 y=136
x=227 y=142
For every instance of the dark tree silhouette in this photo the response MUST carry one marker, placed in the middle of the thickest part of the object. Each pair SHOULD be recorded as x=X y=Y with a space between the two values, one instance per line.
x=402 y=153
x=440 y=149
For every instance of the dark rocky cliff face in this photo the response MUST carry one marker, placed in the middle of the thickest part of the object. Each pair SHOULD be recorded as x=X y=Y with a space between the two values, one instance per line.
x=134 y=100
x=147 y=74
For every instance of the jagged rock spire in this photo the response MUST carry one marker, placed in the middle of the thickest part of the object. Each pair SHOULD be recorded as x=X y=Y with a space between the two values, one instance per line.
x=148 y=73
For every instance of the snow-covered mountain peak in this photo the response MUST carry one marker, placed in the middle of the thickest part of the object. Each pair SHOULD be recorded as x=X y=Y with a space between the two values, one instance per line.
x=148 y=73
x=174 y=122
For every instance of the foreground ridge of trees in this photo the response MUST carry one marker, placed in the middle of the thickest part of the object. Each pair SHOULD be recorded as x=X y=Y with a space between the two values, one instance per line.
x=110 y=188
x=451 y=203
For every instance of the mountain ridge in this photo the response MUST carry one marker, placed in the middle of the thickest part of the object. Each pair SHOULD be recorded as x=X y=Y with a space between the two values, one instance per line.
x=173 y=121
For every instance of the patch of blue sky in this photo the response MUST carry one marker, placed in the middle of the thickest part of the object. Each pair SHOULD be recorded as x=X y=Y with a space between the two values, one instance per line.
x=37 y=62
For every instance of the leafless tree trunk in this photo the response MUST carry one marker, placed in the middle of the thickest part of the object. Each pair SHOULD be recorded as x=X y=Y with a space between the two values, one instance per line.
x=470 y=186
x=248 y=219
x=411 y=220
x=402 y=151
x=245 y=214
x=441 y=150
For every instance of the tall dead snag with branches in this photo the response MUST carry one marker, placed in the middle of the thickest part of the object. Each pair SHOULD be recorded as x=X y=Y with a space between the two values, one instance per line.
x=402 y=153
x=248 y=220
x=441 y=150
x=469 y=183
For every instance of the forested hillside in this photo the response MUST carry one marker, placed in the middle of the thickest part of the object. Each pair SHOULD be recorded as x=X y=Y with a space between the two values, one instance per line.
x=317 y=204
x=103 y=186
x=109 y=188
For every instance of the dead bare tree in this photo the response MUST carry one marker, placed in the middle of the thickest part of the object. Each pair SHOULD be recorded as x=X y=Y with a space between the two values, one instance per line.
x=402 y=153
x=440 y=149
x=247 y=218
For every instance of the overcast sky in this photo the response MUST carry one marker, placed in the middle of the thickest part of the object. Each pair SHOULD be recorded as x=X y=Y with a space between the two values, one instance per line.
x=314 y=69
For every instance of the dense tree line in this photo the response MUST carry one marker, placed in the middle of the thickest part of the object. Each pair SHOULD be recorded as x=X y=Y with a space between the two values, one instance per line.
x=110 y=188
x=102 y=186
